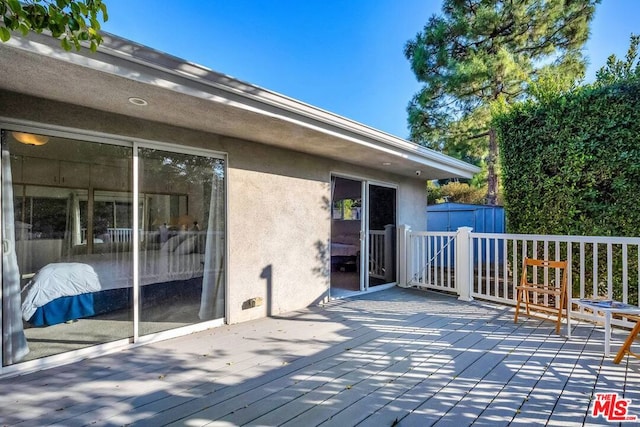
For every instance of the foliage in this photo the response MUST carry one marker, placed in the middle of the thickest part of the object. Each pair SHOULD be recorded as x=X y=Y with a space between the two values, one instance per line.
x=617 y=70
x=480 y=52
x=571 y=165
x=434 y=193
x=71 y=21
x=547 y=86
x=457 y=192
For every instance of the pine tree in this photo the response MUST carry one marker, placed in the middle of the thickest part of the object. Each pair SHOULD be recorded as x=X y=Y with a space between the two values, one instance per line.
x=481 y=52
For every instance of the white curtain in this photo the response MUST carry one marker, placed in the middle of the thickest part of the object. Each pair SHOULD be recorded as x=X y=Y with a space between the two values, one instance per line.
x=333 y=189
x=212 y=300
x=14 y=342
x=72 y=233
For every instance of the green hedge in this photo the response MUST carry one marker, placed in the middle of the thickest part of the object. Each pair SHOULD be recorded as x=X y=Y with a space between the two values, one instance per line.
x=571 y=165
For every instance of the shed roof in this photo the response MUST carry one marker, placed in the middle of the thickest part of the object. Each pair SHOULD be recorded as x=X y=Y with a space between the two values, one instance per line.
x=453 y=206
x=192 y=96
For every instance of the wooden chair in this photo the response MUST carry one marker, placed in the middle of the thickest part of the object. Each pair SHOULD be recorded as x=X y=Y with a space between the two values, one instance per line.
x=534 y=293
x=626 y=347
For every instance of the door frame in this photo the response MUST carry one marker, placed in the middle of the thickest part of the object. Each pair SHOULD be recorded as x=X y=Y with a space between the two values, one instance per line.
x=364 y=223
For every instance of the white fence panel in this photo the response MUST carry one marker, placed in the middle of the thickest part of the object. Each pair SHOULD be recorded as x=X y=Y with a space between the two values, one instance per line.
x=604 y=267
x=113 y=235
x=432 y=260
x=377 y=266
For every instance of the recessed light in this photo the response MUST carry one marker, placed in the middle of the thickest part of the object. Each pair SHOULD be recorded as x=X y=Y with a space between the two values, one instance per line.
x=386 y=163
x=138 y=101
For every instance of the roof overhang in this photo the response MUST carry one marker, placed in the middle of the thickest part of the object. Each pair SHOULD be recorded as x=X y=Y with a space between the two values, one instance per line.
x=191 y=96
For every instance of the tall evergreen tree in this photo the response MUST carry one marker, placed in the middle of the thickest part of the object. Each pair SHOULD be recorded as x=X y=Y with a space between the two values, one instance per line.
x=480 y=52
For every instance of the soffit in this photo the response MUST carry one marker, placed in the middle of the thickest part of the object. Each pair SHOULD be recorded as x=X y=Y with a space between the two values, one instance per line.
x=190 y=96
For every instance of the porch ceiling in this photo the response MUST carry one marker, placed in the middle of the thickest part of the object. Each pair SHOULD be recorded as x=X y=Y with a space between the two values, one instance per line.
x=188 y=95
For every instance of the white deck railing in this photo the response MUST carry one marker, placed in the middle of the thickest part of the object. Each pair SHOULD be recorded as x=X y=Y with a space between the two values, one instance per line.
x=487 y=266
x=382 y=253
x=431 y=259
x=376 y=253
x=116 y=235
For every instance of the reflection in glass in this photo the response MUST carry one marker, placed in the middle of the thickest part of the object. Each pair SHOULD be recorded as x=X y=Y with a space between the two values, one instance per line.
x=182 y=241
x=346 y=227
x=68 y=233
x=74 y=291
x=382 y=233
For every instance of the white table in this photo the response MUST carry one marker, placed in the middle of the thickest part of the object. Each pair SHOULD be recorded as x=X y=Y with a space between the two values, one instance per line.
x=606 y=307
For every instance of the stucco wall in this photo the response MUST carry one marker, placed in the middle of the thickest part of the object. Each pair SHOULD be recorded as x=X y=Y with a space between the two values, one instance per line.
x=278 y=230
x=412 y=203
x=279 y=225
x=278 y=205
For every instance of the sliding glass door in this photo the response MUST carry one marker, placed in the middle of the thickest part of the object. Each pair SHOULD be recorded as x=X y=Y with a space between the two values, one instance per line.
x=72 y=219
x=182 y=243
x=363 y=235
x=381 y=225
x=63 y=278
x=346 y=236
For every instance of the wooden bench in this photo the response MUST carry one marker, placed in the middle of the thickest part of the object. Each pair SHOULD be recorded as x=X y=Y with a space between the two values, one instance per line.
x=532 y=292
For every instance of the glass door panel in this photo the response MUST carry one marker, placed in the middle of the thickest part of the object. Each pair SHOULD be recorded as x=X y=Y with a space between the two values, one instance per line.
x=60 y=290
x=346 y=229
x=381 y=235
x=182 y=239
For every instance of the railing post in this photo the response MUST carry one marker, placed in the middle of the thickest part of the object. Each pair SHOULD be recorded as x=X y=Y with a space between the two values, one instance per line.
x=403 y=255
x=464 y=263
x=388 y=252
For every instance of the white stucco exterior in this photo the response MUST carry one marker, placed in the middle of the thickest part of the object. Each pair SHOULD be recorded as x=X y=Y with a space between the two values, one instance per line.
x=280 y=154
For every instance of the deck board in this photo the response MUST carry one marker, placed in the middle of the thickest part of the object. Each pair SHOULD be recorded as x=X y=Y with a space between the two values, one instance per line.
x=402 y=357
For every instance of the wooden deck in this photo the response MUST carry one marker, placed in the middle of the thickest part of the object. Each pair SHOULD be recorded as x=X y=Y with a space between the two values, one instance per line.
x=395 y=357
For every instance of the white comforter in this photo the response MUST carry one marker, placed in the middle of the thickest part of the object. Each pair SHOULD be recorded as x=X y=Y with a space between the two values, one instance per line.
x=57 y=280
x=99 y=272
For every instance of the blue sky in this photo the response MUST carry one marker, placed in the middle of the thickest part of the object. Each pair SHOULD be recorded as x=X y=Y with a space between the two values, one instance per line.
x=345 y=56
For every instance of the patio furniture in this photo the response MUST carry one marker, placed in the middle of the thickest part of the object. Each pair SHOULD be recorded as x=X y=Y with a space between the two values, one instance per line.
x=626 y=347
x=537 y=295
x=607 y=307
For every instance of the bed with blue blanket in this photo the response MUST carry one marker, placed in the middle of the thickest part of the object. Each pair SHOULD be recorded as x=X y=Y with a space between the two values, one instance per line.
x=86 y=285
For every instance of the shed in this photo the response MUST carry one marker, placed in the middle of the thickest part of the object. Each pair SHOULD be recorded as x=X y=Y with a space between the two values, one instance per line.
x=451 y=216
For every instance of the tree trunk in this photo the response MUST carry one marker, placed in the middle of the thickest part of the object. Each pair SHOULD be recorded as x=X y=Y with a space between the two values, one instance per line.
x=492 y=177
